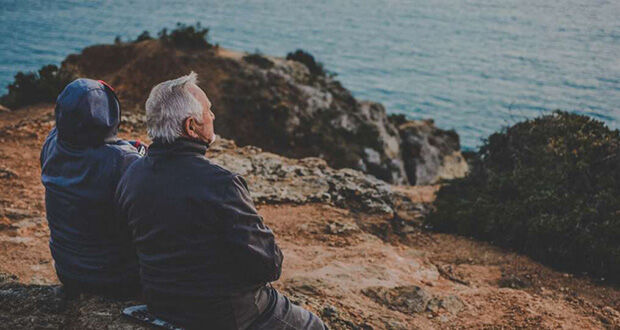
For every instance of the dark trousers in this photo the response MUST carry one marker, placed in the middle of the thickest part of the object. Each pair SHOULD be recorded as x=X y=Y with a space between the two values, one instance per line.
x=284 y=315
x=263 y=309
x=125 y=290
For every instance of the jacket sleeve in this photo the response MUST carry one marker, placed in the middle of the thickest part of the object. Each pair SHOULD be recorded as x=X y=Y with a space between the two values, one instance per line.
x=252 y=244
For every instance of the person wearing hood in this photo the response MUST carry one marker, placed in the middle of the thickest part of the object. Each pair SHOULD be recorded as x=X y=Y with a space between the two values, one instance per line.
x=82 y=161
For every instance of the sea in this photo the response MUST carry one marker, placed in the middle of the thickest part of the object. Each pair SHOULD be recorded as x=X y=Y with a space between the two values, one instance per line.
x=475 y=66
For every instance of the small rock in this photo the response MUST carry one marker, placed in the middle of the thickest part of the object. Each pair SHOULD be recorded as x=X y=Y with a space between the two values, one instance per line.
x=16 y=214
x=514 y=282
x=407 y=229
x=406 y=299
x=338 y=228
x=433 y=305
x=329 y=311
x=452 y=304
x=611 y=312
x=6 y=173
x=395 y=325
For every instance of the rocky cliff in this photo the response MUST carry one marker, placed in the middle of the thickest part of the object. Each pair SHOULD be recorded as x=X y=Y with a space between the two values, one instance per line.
x=282 y=107
x=355 y=251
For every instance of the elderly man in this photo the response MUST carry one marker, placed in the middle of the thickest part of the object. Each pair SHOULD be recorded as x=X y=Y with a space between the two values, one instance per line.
x=206 y=257
x=81 y=163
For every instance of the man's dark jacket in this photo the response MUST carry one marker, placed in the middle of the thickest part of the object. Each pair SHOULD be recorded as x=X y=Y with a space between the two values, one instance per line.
x=81 y=163
x=198 y=236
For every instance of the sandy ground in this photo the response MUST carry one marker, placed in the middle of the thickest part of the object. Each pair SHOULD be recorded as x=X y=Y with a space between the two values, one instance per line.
x=331 y=264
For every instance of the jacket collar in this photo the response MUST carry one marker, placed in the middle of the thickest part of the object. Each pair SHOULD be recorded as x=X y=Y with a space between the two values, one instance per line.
x=180 y=146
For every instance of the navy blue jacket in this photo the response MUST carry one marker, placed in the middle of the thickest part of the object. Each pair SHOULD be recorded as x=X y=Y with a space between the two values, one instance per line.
x=81 y=164
x=194 y=225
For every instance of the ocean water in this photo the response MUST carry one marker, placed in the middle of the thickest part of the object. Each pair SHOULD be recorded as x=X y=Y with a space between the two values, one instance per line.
x=472 y=65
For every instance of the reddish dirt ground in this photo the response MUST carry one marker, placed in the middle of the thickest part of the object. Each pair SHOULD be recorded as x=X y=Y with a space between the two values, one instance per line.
x=330 y=261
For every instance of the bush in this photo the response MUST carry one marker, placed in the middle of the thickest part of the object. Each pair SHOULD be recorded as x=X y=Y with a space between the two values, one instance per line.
x=29 y=88
x=301 y=56
x=259 y=60
x=547 y=187
x=186 y=36
x=145 y=35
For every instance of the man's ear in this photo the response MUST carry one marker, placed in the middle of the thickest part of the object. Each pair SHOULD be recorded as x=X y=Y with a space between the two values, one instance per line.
x=189 y=127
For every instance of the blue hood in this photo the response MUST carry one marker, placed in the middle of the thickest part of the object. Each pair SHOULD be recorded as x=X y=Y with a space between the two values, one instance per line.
x=87 y=113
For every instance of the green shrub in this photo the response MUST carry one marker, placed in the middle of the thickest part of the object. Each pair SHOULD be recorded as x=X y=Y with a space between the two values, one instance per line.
x=259 y=60
x=547 y=187
x=29 y=88
x=301 y=56
x=186 y=36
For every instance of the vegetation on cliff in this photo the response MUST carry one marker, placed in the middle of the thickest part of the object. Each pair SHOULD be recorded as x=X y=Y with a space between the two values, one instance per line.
x=259 y=60
x=315 y=67
x=186 y=36
x=548 y=187
x=45 y=85
x=42 y=86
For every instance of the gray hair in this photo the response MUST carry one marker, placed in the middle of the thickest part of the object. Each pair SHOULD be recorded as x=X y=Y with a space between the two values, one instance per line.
x=169 y=103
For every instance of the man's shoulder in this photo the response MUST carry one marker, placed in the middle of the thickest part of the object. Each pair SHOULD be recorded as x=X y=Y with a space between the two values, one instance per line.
x=213 y=171
x=199 y=166
x=219 y=169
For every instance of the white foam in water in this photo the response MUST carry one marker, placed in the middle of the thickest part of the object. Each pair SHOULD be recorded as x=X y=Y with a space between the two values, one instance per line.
x=472 y=65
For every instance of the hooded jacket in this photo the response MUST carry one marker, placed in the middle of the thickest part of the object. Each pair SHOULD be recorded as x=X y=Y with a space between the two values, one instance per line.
x=81 y=164
x=200 y=241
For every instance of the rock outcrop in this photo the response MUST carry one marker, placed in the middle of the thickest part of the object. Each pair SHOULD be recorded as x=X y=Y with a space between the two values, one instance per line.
x=430 y=154
x=276 y=179
x=280 y=106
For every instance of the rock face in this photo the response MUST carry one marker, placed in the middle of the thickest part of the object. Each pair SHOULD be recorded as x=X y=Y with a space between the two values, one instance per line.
x=430 y=154
x=278 y=105
x=276 y=179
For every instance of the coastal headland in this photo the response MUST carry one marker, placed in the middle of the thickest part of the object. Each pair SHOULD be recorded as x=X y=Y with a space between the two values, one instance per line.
x=344 y=186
